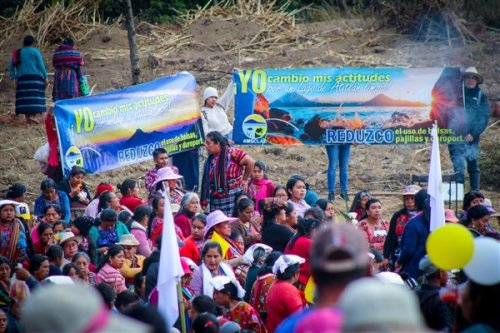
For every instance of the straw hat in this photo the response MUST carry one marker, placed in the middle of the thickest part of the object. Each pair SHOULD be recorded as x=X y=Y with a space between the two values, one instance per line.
x=128 y=240
x=472 y=71
x=166 y=173
x=69 y=236
x=215 y=218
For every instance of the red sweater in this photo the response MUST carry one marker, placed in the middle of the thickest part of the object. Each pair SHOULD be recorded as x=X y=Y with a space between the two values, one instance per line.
x=190 y=250
x=131 y=202
x=184 y=223
x=283 y=299
x=301 y=248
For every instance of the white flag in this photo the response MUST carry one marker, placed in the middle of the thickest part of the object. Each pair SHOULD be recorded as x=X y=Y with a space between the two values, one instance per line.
x=435 y=184
x=170 y=272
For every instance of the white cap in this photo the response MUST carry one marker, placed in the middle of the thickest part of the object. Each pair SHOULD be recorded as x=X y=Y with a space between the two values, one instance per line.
x=210 y=92
x=285 y=261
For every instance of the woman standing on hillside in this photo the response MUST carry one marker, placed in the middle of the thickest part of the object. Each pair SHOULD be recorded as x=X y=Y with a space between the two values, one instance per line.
x=28 y=70
x=68 y=64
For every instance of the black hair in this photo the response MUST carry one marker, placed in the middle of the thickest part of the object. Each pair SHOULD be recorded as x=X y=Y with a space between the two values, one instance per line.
x=485 y=304
x=371 y=202
x=235 y=235
x=238 y=198
x=36 y=262
x=357 y=199
x=125 y=298
x=141 y=211
x=277 y=188
x=291 y=183
x=217 y=137
x=322 y=204
x=126 y=218
x=67 y=268
x=42 y=227
x=301 y=178
x=261 y=165
x=48 y=184
x=148 y=315
x=15 y=191
x=56 y=208
x=205 y=323
x=138 y=280
x=269 y=263
x=243 y=204
x=155 y=203
x=288 y=273
x=269 y=216
x=421 y=198
x=211 y=245
x=113 y=250
x=28 y=40
x=4 y=260
x=200 y=217
x=109 y=214
x=107 y=293
x=128 y=184
x=378 y=256
x=69 y=41
x=304 y=228
x=60 y=222
x=316 y=212
x=159 y=151
x=76 y=170
x=469 y=197
x=204 y=303
x=476 y=212
x=55 y=252
x=232 y=290
x=104 y=200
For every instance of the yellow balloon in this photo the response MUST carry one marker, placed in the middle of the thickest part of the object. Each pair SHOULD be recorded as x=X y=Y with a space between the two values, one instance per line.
x=450 y=246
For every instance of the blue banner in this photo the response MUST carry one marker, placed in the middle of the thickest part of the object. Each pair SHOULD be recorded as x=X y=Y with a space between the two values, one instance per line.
x=318 y=106
x=124 y=127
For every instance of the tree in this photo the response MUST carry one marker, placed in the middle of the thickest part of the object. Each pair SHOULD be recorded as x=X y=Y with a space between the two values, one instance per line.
x=134 y=57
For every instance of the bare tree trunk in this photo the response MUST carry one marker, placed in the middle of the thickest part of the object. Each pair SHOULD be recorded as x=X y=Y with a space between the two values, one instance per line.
x=134 y=57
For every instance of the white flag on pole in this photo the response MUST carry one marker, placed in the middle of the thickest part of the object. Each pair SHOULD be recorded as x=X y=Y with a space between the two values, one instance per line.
x=170 y=272
x=435 y=184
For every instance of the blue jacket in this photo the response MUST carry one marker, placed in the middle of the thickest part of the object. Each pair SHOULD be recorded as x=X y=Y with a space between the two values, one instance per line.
x=31 y=63
x=477 y=112
x=413 y=244
x=40 y=205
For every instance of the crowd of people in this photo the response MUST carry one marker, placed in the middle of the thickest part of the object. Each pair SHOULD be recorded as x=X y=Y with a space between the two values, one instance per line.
x=250 y=249
x=256 y=256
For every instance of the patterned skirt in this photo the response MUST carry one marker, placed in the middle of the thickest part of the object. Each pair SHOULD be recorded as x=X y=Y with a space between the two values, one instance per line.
x=66 y=84
x=30 y=95
x=225 y=204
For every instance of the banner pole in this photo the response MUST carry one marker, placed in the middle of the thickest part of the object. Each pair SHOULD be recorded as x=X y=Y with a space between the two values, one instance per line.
x=181 y=307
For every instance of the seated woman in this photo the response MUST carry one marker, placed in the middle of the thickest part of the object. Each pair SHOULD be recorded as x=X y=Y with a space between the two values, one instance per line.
x=274 y=233
x=39 y=267
x=14 y=236
x=156 y=227
x=471 y=199
x=17 y=193
x=5 y=274
x=478 y=217
x=189 y=206
x=45 y=238
x=392 y=245
x=328 y=210
x=91 y=209
x=69 y=242
x=130 y=194
x=51 y=196
x=211 y=266
x=51 y=215
x=374 y=227
x=133 y=262
x=193 y=244
x=296 y=189
x=108 y=199
x=245 y=223
x=73 y=271
x=218 y=230
x=139 y=228
x=108 y=270
x=283 y=298
x=228 y=294
x=108 y=232
x=167 y=178
x=300 y=245
x=264 y=281
x=77 y=191
x=82 y=260
x=259 y=186
x=81 y=227
x=359 y=204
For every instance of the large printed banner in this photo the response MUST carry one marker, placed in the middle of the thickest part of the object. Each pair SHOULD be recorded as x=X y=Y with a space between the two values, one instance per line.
x=316 y=106
x=123 y=127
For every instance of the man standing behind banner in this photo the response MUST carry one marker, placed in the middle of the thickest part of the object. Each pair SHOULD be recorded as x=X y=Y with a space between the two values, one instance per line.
x=476 y=119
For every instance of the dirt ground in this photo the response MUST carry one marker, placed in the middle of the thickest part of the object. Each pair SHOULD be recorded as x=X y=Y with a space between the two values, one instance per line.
x=214 y=49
